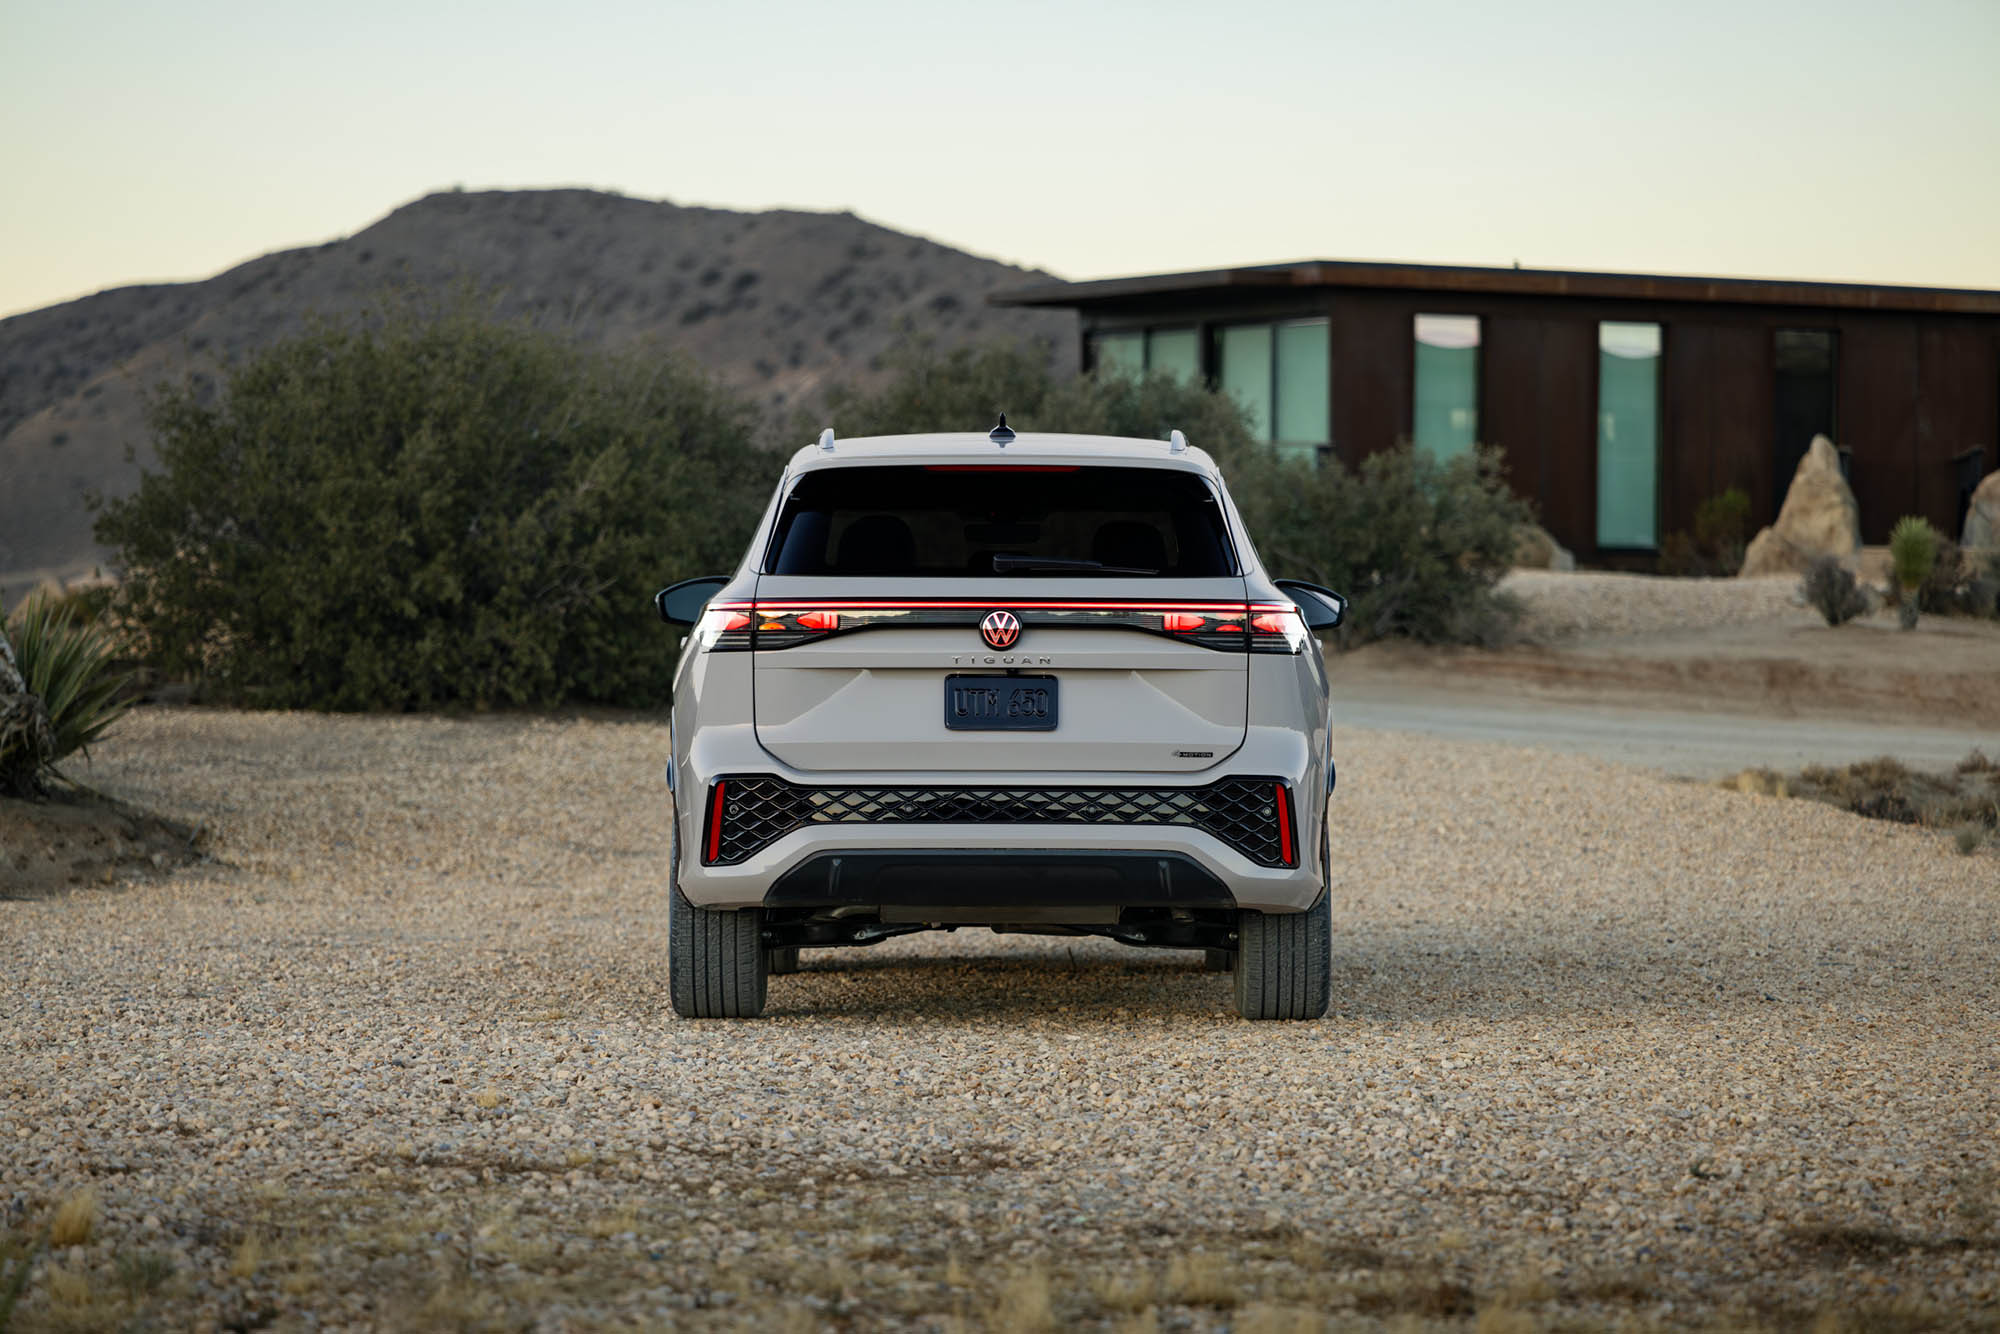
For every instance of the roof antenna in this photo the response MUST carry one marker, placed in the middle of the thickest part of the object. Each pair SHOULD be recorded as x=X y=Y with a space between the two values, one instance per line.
x=1002 y=433
x=826 y=441
x=1177 y=443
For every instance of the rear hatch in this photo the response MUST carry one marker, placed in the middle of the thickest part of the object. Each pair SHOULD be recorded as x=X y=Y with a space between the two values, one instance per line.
x=1119 y=585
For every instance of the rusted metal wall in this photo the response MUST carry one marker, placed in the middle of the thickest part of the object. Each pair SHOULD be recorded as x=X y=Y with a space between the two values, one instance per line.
x=1914 y=392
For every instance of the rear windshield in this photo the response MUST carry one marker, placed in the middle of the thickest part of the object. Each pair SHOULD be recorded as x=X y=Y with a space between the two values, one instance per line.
x=1001 y=522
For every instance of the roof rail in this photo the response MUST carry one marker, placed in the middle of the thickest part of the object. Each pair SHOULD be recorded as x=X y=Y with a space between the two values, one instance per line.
x=1177 y=443
x=826 y=441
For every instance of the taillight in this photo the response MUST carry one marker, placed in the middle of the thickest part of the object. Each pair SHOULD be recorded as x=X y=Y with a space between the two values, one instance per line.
x=787 y=629
x=1277 y=628
x=1220 y=627
x=723 y=630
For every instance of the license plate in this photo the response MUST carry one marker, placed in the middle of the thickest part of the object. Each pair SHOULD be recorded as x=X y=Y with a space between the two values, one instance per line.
x=1000 y=703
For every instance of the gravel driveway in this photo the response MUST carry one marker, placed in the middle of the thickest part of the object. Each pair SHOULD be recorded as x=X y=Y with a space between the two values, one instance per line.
x=1604 y=1047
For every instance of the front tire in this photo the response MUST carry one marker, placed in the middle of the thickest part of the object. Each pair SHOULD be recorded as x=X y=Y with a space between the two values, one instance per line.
x=717 y=966
x=1284 y=963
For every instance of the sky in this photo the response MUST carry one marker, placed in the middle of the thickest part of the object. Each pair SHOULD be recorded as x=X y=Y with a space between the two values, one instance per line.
x=1840 y=139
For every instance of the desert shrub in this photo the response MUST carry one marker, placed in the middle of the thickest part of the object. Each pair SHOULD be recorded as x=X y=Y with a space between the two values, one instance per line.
x=1721 y=534
x=70 y=692
x=1886 y=789
x=1961 y=583
x=427 y=507
x=1416 y=544
x=1830 y=590
x=967 y=388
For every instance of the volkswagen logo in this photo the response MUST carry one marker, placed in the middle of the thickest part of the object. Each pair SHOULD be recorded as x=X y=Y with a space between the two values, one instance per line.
x=1000 y=629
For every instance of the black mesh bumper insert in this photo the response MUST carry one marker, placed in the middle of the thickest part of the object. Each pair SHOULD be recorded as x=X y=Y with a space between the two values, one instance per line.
x=758 y=810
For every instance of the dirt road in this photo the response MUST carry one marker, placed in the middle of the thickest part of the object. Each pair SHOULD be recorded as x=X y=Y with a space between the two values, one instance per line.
x=1676 y=741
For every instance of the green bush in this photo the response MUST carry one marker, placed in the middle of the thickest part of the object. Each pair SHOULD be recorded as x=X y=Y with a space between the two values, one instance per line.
x=70 y=692
x=427 y=508
x=1913 y=550
x=1721 y=535
x=967 y=388
x=1418 y=546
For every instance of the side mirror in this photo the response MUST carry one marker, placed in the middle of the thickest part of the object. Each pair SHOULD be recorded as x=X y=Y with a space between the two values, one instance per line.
x=1323 y=608
x=681 y=604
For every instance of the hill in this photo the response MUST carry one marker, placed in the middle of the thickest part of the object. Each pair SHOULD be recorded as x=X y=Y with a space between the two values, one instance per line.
x=780 y=305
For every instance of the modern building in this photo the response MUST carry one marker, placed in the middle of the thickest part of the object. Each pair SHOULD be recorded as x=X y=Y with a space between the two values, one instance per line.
x=1622 y=400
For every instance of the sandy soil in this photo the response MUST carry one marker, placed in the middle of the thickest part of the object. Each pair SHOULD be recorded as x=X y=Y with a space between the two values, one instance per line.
x=1606 y=1051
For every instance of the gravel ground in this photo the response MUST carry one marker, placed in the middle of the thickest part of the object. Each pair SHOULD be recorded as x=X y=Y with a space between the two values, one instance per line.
x=1568 y=605
x=1606 y=1051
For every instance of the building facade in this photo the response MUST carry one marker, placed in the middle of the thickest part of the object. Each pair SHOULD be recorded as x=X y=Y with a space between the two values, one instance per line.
x=1622 y=400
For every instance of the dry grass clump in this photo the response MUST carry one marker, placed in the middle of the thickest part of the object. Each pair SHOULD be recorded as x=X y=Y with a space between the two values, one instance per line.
x=75 y=1219
x=1966 y=800
x=1027 y=1303
x=1201 y=1279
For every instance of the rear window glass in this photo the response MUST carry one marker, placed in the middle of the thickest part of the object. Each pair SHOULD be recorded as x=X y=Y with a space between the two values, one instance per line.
x=985 y=522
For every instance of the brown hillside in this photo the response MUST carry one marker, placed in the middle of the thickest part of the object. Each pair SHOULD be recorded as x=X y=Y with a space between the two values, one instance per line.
x=781 y=305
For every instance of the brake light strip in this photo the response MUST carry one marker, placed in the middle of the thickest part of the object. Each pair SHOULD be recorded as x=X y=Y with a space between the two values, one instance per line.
x=715 y=823
x=1284 y=825
x=766 y=606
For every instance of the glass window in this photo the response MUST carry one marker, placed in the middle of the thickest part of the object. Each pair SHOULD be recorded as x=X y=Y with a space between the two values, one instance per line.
x=1301 y=389
x=1244 y=351
x=946 y=521
x=1119 y=353
x=1803 y=397
x=1447 y=407
x=1628 y=434
x=1175 y=352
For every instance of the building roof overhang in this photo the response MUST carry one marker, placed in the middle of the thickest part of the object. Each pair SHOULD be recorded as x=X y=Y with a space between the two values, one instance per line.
x=1329 y=273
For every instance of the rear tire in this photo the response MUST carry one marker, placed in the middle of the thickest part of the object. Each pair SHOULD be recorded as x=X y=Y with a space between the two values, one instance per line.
x=1218 y=961
x=1284 y=968
x=783 y=961
x=716 y=961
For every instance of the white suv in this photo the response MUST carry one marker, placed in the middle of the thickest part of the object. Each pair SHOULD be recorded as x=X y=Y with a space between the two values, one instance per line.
x=1034 y=683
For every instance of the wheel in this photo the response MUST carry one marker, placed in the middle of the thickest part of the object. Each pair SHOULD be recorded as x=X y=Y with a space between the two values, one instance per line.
x=784 y=960
x=1284 y=966
x=716 y=961
x=1218 y=961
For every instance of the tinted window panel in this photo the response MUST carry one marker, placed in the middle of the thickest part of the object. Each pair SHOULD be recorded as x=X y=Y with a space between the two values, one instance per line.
x=1447 y=407
x=1628 y=434
x=952 y=522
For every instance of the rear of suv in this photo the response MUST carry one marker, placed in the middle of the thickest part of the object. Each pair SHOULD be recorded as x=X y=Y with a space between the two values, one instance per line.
x=1032 y=683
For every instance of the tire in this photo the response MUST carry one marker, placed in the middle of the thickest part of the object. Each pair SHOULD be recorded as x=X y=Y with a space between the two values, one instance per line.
x=716 y=961
x=1284 y=968
x=783 y=961
x=1218 y=961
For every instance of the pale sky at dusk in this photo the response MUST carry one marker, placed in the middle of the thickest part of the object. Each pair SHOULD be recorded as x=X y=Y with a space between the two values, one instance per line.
x=1844 y=139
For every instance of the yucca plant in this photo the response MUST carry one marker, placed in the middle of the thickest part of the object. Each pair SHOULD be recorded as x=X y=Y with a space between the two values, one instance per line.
x=69 y=692
x=1913 y=550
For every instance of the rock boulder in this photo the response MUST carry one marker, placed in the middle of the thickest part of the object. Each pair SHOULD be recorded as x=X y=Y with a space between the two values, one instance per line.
x=1982 y=521
x=1819 y=518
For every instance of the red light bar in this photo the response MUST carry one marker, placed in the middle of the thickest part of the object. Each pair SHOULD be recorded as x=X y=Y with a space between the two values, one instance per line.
x=1284 y=826
x=774 y=606
x=715 y=823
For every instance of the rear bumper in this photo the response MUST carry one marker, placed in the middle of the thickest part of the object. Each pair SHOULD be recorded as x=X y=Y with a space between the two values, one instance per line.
x=997 y=885
x=1291 y=754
